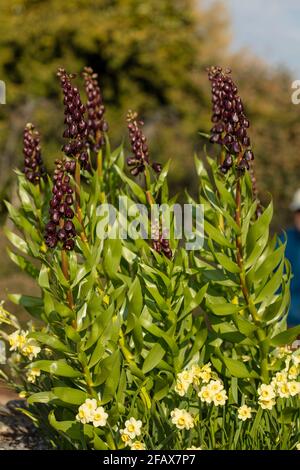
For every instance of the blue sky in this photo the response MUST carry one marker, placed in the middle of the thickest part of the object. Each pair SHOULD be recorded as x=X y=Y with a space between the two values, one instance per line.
x=269 y=28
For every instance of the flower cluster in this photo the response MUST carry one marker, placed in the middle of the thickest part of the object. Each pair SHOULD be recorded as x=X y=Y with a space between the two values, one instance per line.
x=139 y=146
x=76 y=130
x=132 y=430
x=90 y=412
x=60 y=227
x=160 y=243
x=230 y=123
x=284 y=384
x=28 y=347
x=33 y=163
x=96 y=123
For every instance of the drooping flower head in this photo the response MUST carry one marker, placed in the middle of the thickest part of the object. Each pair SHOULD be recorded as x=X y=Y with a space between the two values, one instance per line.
x=229 y=121
x=60 y=228
x=76 y=127
x=34 y=169
x=139 y=146
x=96 y=124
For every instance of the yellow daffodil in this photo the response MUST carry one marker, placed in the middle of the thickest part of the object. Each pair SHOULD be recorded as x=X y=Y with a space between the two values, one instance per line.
x=205 y=394
x=182 y=419
x=267 y=404
x=86 y=411
x=266 y=392
x=293 y=372
x=99 y=417
x=186 y=376
x=215 y=386
x=220 y=398
x=294 y=388
x=194 y=448
x=244 y=412
x=125 y=438
x=181 y=388
x=133 y=427
x=32 y=374
x=137 y=445
x=283 y=390
x=30 y=349
x=17 y=339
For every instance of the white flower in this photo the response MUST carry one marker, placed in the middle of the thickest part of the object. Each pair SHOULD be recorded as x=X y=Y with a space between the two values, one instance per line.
x=30 y=349
x=32 y=374
x=296 y=357
x=205 y=394
x=194 y=448
x=17 y=339
x=283 y=390
x=293 y=372
x=298 y=446
x=220 y=398
x=266 y=392
x=267 y=404
x=280 y=378
x=244 y=412
x=215 y=386
x=86 y=411
x=185 y=377
x=99 y=417
x=294 y=388
x=137 y=445
x=133 y=427
x=125 y=438
x=181 y=388
x=206 y=373
x=182 y=419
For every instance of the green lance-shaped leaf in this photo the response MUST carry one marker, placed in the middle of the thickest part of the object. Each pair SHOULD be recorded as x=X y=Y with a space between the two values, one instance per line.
x=51 y=341
x=286 y=337
x=71 y=428
x=70 y=395
x=153 y=357
x=41 y=397
x=59 y=368
x=33 y=305
x=135 y=188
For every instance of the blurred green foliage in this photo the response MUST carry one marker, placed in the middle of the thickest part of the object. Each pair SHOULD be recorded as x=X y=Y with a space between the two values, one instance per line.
x=151 y=56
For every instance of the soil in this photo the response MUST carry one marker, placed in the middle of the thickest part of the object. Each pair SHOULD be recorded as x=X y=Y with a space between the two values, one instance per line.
x=16 y=430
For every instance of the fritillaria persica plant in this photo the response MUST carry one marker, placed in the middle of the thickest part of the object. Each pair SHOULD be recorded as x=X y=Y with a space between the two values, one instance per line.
x=143 y=344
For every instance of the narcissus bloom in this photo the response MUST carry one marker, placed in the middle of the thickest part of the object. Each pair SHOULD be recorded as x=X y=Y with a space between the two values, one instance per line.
x=32 y=374
x=30 y=349
x=244 y=412
x=215 y=386
x=205 y=394
x=137 y=445
x=125 y=438
x=182 y=419
x=294 y=388
x=220 y=398
x=133 y=427
x=293 y=371
x=283 y=390
x=266 y=392
x=86 y=411
x=267 y=404
x=17 y=339
x=99 y=417
x=181 y=388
